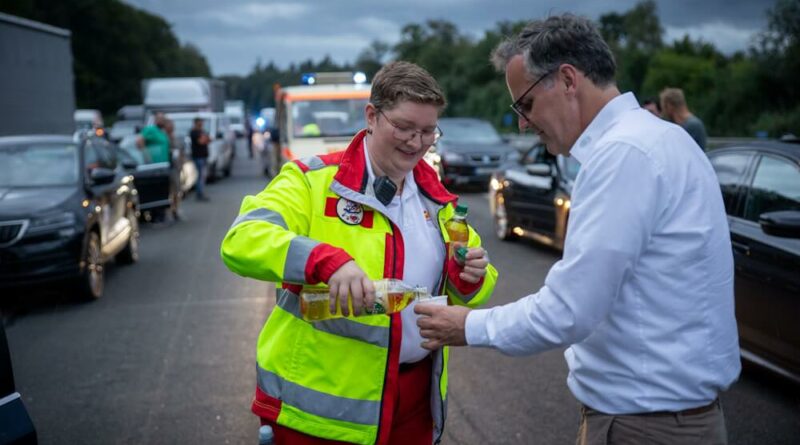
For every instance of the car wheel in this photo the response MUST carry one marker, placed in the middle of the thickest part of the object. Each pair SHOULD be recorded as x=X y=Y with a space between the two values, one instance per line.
x=92 y=279
x=227 y=171
x=130 y=254
x=502 y=226
x=211 y=173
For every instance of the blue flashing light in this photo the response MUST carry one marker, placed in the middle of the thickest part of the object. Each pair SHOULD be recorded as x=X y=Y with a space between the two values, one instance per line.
x=359 y=77
x=308 y=79
x=260 y=122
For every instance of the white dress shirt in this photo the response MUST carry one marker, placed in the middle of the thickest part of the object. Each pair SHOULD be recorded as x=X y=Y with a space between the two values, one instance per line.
x=644 y=292
x=423 y=257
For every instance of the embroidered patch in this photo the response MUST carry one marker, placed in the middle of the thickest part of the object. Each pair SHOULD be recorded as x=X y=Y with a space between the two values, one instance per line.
x=349 y=212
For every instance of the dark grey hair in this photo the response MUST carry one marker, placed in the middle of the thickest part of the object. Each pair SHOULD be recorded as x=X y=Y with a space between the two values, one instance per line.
x=546 y=44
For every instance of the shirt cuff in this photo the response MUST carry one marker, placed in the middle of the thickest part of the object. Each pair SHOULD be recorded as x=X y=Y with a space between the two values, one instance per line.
x=475 y=327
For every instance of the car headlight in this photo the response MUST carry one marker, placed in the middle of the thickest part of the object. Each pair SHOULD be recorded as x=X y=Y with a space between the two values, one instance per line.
x=53 y=222
x=452 y=157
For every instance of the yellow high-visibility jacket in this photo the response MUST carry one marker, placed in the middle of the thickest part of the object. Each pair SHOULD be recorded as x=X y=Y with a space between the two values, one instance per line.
x=336 y=379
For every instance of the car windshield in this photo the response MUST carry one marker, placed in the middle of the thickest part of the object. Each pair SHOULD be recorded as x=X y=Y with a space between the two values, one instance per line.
x=183 y=125
x=469 y=132
x=320 y=118
x=38 y=165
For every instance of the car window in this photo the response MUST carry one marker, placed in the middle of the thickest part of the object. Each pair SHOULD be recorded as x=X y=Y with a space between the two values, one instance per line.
x=90 y=159
x=106 y=153
x=538 y=155
x=731 y=169
x=776 y=186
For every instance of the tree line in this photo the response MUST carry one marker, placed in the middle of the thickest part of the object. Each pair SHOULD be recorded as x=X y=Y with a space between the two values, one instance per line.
x=754 y=90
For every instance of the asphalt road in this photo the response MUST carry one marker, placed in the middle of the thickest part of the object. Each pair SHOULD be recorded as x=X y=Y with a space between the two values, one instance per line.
x=167 y=355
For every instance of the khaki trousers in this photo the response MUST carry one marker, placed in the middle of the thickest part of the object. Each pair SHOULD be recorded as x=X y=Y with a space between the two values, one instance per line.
x=689 y=427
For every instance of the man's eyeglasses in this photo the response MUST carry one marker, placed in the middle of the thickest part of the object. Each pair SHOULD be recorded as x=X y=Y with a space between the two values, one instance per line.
x=517 y=105
x=426 y=137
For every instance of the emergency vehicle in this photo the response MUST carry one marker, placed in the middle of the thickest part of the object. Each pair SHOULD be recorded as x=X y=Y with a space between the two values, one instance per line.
x=319 y=116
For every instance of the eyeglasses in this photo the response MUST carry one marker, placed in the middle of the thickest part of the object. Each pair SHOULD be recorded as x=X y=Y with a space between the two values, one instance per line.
x=426 y=137
x=517 y=105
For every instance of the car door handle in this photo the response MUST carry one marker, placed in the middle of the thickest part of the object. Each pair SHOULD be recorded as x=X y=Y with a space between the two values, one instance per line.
x=742 y=248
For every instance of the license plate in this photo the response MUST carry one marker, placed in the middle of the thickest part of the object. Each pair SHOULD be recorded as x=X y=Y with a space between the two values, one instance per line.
x=484 y=170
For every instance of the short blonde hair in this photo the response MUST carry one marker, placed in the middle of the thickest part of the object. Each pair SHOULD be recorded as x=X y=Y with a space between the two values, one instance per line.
x=673 y=97
x=404 y=81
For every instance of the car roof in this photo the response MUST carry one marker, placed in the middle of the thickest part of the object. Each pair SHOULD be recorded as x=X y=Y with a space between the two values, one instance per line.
x=783 y=148
x=35 y=138
x=463 y=120
x=193 y=114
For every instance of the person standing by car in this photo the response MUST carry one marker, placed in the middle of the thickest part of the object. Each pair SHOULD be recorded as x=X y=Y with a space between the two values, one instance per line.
x=177 y=158
x=200 y=141
x=344 y=219
x=154 y=140
x=674 y=109
x=643 y=295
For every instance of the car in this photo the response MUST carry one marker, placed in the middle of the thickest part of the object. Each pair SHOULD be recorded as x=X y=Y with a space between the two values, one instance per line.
x=66 y=210
x=88 y=119
x=121 y=129
x=469 y=151
x=222 y=145
x=530 y=197
x=153 y=181
x=16 y=426
x=760 y=184
x=234 y=110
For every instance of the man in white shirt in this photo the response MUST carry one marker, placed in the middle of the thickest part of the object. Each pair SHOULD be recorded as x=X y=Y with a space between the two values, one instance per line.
x=643 y=296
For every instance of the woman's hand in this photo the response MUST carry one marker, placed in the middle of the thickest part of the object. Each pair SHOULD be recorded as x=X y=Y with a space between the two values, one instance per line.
x=475 y=265
x=349 y=279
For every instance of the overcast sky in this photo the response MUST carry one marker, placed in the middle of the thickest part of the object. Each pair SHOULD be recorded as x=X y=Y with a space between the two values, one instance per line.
x=233 y=34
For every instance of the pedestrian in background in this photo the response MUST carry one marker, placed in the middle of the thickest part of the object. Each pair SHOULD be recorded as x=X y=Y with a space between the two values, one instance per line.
x=674 y=109
x=375 y=210
x=200 y=141
x=643 y=295
x=177 y=158
x=153 y=140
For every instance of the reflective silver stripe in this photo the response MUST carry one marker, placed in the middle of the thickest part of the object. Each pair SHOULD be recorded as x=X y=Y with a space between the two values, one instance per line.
x=366 y=412
x=300 y=248
x=313 y=163
x=267 y=215
x=438 y=406
x=343 y=327
x=464 y=298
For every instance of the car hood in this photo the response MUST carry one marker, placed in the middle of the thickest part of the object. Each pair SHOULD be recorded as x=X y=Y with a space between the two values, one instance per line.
x=18 y=202
x=484 y=149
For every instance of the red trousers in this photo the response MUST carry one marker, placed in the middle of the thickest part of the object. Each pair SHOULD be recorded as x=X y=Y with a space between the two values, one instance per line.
x=412 y=423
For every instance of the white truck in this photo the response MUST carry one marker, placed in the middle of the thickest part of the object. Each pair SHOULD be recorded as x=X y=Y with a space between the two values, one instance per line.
x=36 y=93
x=182 y=94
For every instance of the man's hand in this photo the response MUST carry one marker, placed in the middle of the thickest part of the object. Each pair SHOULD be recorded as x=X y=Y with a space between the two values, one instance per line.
x=475 y=264
x=349 y=279
x=442 y=325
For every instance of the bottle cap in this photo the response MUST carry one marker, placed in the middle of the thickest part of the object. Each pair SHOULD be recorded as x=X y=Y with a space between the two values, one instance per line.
x=461 y=254
x=462 y=209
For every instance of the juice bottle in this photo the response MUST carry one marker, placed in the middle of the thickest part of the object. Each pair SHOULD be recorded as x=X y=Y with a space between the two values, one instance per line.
x=457 y=228
x=391 y=296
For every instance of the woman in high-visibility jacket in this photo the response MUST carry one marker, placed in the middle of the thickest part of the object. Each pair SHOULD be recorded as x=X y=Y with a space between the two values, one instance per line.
x=344 y=219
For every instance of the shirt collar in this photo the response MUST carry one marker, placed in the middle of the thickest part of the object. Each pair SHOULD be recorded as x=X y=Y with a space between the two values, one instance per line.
x=582 y=148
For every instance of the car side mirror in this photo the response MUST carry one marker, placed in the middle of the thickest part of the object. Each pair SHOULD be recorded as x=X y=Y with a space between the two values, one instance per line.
x=102 y=176
x=539 y=169
x=783 y=223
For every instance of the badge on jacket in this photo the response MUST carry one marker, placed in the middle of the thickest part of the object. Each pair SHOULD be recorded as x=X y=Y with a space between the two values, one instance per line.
x=349 y=212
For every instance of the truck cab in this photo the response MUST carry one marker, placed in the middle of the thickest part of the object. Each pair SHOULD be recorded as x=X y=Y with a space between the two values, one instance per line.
x=319 y=116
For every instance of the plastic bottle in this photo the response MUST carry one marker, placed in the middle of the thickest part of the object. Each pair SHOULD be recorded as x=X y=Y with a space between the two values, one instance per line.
x=457 y=228
x=391 y=296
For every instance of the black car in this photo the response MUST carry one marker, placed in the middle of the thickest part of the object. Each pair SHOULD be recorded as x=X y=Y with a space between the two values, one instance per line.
x=761 y=188
x=469 y=151
x=15 y=424
x=530 y=197
x=65 y=210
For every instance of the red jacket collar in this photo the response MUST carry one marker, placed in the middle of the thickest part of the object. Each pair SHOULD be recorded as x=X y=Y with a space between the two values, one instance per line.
x=353 y=173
